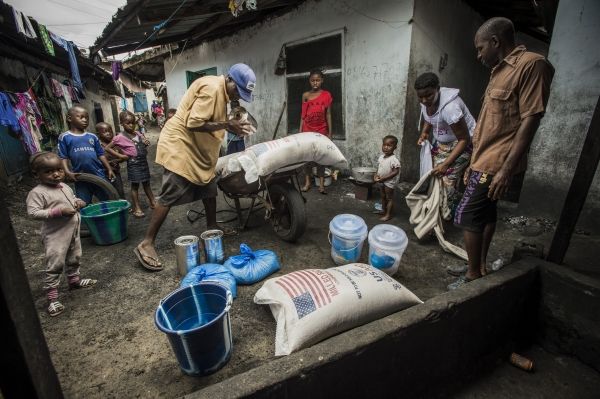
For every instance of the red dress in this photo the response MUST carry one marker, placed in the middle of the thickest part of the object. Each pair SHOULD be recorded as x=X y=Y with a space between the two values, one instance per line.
x=314 y=113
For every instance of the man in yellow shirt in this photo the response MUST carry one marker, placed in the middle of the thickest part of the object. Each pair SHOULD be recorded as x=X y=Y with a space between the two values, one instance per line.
x=188 y=149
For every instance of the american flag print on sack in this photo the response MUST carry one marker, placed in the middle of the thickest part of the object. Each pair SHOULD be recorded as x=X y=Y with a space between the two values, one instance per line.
x=306 y=290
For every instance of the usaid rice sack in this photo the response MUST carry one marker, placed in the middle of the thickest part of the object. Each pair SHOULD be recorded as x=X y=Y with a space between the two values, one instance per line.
x=279 y=155
x=314 y=304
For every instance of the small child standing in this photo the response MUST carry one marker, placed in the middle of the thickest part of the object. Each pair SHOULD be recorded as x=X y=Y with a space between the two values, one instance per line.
x=387 y=173
x=56 y=205
x=85 y=154
x=138 y=170
x=113 y=155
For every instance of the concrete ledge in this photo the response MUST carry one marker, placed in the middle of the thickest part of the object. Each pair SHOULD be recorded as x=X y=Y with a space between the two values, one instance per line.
x=570 y=313
x=409 y=353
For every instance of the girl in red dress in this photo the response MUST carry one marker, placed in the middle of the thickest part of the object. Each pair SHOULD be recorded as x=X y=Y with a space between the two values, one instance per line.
x=316 y=117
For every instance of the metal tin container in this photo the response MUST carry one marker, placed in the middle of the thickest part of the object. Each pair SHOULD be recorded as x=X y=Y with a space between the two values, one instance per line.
x=213 y=246
x=187 y=253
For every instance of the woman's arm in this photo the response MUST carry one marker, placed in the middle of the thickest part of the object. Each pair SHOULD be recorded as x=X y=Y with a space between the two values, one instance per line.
x=461 y=131
x=425 y=131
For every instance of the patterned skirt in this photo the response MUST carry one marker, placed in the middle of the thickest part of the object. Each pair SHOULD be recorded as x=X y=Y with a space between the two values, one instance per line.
x=440 y=152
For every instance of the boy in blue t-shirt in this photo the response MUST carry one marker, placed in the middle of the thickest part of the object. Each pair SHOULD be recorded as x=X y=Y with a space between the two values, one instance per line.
x=84 y=151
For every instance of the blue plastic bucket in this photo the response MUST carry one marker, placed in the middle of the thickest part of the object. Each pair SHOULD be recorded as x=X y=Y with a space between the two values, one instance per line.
x=348 y=233
x=386 y=246
x=196 y=321
x=107 y=221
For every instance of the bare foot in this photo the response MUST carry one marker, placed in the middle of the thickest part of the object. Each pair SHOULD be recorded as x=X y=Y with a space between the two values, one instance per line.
x=385 y=218
x=483 y=270
x=152 y=205
x=305 y=188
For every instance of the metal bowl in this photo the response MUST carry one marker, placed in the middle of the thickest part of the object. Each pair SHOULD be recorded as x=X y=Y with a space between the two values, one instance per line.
x=364 y=174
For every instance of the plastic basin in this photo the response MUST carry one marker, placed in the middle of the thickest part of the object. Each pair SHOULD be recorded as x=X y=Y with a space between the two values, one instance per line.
x=107 y=221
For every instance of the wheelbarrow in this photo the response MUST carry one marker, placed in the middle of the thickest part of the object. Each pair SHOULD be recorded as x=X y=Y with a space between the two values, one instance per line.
x=280 y=195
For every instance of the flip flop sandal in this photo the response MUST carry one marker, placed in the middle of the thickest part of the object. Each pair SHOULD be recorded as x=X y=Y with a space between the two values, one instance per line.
x=138 y=214
x=456 y=270
x=55 y=308
x=323 y=192
x=83 y=283
x=145 y=264
x=462 y=280
x=227 y=231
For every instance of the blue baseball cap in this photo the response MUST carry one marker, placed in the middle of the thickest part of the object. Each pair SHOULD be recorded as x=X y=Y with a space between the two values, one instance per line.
x=244 y=79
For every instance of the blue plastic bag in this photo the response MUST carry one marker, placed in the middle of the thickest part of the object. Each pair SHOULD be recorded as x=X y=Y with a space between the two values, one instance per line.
x=211 y=272
x=250 y=266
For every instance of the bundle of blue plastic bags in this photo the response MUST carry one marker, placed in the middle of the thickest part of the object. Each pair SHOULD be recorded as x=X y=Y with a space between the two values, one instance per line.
x=251 y=266
x=212 y=272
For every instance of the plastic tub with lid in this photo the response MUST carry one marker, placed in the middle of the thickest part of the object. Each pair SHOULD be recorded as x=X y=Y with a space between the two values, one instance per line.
x=386 y=246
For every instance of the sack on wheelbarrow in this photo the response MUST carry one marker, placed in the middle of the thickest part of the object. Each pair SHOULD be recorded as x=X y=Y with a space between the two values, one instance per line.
x=280 y=155
x=314 y=304
x=250 y=266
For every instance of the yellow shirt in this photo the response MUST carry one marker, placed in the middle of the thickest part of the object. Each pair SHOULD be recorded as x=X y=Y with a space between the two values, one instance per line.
x=194 y=155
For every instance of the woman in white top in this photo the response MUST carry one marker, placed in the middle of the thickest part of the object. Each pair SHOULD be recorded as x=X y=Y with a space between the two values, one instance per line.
x=448 y=118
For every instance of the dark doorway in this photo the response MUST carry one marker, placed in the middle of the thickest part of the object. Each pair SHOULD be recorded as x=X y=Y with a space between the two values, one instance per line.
x=324 y=54
x=98 y=112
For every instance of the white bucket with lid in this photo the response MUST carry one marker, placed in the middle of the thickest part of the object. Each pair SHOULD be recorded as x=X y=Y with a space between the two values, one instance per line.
x=386 y=246
x=348 y=233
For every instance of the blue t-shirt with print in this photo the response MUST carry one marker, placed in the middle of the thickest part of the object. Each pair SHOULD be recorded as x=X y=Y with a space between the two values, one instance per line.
x=83 y=151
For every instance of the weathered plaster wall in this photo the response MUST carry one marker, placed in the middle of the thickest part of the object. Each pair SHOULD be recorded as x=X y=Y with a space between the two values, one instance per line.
x=439 y=28
x=375 y=67
x=573 y=96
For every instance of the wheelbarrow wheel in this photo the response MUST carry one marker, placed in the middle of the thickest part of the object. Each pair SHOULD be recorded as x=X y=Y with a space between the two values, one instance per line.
x=103 y=184
x=288 y=216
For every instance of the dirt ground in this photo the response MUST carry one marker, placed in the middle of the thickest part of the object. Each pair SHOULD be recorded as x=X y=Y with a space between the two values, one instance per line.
x=106 y=344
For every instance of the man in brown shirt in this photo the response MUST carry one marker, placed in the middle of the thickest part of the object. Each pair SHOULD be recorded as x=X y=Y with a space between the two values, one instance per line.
x=513 y=105
x=188 y=149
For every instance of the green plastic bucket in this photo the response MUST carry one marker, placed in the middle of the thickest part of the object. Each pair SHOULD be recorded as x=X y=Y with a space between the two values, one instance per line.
x=107 y=221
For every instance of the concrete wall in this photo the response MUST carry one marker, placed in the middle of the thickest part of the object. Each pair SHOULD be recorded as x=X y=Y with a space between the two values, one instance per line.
x=375 y=66
x=573 y=96
x=424 y=351
x=439 y=28
x=569 y=317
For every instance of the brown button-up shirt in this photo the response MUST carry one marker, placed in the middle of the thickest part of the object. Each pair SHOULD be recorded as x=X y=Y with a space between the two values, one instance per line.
x=519 y=87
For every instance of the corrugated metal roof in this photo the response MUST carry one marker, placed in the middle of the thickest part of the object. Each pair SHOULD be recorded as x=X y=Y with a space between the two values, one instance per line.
x=147 y=23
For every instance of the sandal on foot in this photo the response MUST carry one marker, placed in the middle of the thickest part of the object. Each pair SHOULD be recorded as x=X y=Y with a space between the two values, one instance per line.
x=83 y=283
x=322 y=191
x=305 y=189
x=145 y=264
x=55 y=308
x=462 y=280
x=138 y=214
x=456 y=270
x=227 y=231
